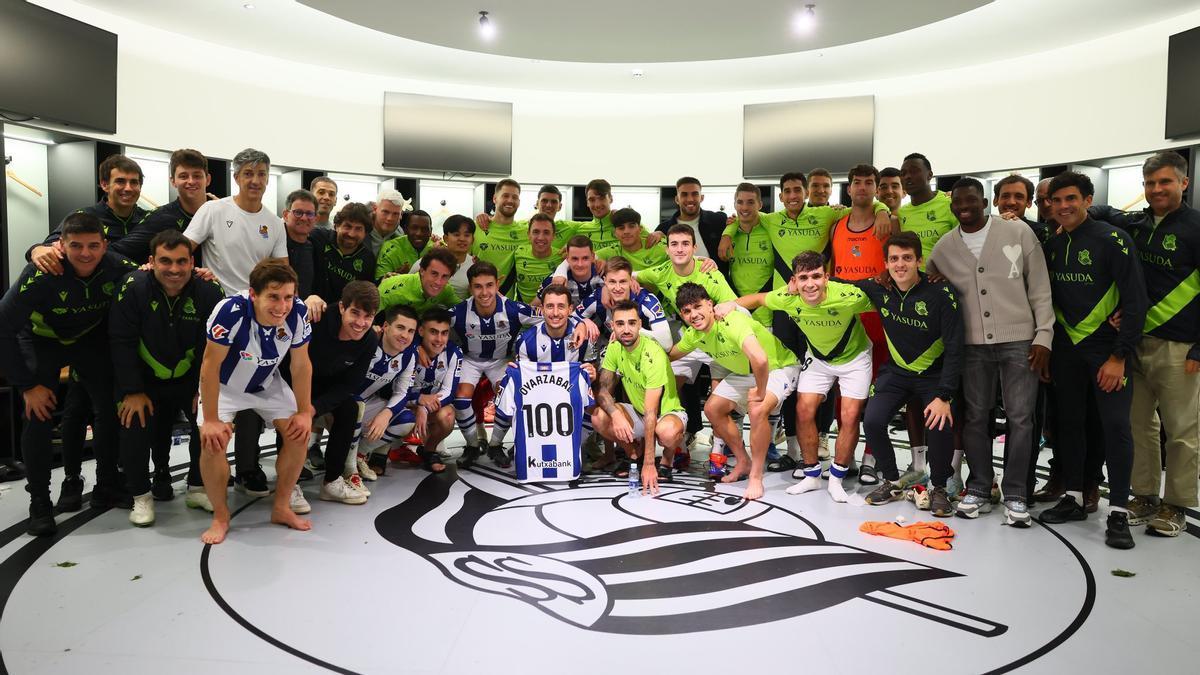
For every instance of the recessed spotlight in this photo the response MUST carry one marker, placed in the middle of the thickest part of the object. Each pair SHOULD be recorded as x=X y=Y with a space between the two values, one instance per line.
x=486 y=29
x=806 y=20
x=637 y=72
x=248 y=5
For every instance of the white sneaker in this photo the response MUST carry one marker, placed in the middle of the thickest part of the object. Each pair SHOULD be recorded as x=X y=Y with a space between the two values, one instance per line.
x=142 y=514
x=364 y=469
x=197 y=498
x=338 y=490
x=355 y=481
x=823 y=447
x=298 y=504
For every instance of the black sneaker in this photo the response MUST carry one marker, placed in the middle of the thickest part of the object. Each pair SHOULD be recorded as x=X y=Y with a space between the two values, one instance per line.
x=70 y=497
x=315 y=459
x=1117 y=534
x=939 y=503
x=1067 y=509
x=469 y=455
x=497 y=454
x=885 y=493
x=305 y=474
x=110 y=497
x=378 y=463
x=161 y=488
x=253 y=484
x=41 y=517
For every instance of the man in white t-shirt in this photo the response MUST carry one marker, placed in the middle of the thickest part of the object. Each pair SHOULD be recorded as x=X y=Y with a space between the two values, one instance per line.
x=238 y=232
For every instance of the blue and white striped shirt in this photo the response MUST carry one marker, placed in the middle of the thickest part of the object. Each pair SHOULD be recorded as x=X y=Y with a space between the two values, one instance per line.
x=255 y=350
x=490 y=338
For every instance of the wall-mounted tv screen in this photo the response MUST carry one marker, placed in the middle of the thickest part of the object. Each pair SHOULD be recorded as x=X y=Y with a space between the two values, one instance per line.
x=443 y=135
x=55 y=68
x=1183 y=72
x=835 y=133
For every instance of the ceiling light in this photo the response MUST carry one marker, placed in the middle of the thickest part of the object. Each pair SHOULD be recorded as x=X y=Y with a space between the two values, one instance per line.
x=806 y=19
x=486 y=29
x=248 y=5
x=638 y=72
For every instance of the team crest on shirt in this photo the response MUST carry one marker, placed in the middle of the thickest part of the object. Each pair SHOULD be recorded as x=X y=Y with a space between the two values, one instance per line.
x=833 y=312
x=1085 y=257
x=921 y=308
x=856 y=251
x=189 y=307
x=930 y=217
x=108 y=288
x=762 y=245
x=395 y=364
x=281 y=334
x=357 y=265
x=1168 y=242
x=263 y=231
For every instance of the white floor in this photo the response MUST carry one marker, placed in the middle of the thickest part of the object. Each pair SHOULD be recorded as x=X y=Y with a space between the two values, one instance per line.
x=474 y=573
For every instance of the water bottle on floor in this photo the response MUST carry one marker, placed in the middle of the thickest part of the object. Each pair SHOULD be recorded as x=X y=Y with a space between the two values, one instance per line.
x=635 y=487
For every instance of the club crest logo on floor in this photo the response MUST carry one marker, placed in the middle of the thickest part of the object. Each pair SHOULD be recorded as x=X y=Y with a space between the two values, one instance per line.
x=596 y=558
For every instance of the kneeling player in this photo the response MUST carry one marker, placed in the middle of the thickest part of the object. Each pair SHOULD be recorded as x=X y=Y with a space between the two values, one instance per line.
x=826 y=312
x=248 y=336
x=433 y=386
x=384 y=392
x=762 y=374
x=645 y=373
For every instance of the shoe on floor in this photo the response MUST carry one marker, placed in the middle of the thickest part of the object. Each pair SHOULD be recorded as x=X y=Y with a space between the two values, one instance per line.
x=1052 y=490
x=355 y=481
x=338 y=490
x=972 y=506
x=378 y=463
x=1016 y=513
x=364 y=469
x=1117 y=534
x=41 y=517
x=253 y=483
x=306 y=473
x=197 y=498
x=913 y=477
x=1067 y=509
x=298 y=504
x=939 y=503
x=110 y=497
x=954 y=487
x=868 y=475
x=823 y=447
x=70 y=496
x=12 y=470
x=919 y=496
x=469 y=455
x=886 y=492
x=1141 y=509
x=497 y=454
x=1091 y=497
x=1168 y=522
x=162 y=489
x=315 y=460
x=142 y=514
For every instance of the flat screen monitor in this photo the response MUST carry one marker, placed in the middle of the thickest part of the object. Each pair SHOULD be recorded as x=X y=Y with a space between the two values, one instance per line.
x=446 y=135
x=833 y=133
x=1183 y=74
x=55 y=68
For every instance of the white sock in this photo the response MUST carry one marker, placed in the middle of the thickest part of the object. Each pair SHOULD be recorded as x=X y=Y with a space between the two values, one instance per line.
x=956 y=463
x=918 y=457
x=868 y=459
x=807 y=485
x=793 y=447
x=836 y=491
x=1117 y=509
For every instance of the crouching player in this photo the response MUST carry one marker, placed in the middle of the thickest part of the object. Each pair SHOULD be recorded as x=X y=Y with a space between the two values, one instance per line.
x=384 y=392
x=655 y=411
x=248 y=336
x=762 y=374
x=435 y=375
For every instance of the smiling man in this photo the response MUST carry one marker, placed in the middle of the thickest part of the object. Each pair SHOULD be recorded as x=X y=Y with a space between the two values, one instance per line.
x=386 y=213
x=708 y=225
x=190 y=178
x=61 y=321
x=999 y=271
x=928 y=214
x=1094 y=272
x=399 y=255
x=325 y=189
x=428 y=287
x=156 y=330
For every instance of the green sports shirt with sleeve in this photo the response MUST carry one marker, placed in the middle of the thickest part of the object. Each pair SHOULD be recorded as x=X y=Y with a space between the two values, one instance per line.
x=396 y=253
x=643 y=258
x=664 y=279
x=723 y=343
x=528 y=273
x=646 y=366
x=835 y=335
x=929 y=221
x=405 y=289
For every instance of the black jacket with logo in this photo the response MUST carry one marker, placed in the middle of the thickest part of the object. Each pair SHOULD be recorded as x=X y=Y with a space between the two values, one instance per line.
x=1170 y=257
x=339 y=366
x=115 y=227
x=135 y=245
x=155 y=337
x=1094 y=271
x=335 y=270
x=61 y=307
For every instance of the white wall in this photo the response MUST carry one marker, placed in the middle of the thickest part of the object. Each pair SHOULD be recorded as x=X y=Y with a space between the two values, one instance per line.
x=1097 y=99
x=28 y=213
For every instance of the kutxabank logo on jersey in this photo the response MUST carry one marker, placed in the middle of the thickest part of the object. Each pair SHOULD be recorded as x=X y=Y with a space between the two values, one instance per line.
x=690 y=560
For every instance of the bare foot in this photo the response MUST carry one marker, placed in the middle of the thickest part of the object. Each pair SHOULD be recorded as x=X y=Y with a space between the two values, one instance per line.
x=754 y=488
x=286 y=517
x=215 y=534
x=735 y=475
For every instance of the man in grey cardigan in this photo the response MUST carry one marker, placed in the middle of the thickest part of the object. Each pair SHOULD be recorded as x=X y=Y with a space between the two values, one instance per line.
x=999 y=270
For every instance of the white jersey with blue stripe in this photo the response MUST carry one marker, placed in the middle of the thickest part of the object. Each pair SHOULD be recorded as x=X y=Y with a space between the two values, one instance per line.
x=389 y=376
x=648 y=306
x=490 y=338
x=440 y=377
x=537 y=345
x=255 y=350
x=578 y=289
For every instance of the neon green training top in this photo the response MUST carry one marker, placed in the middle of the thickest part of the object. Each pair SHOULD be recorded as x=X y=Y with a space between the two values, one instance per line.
x=646 y=366
x=835 y=335
x=723 y=342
